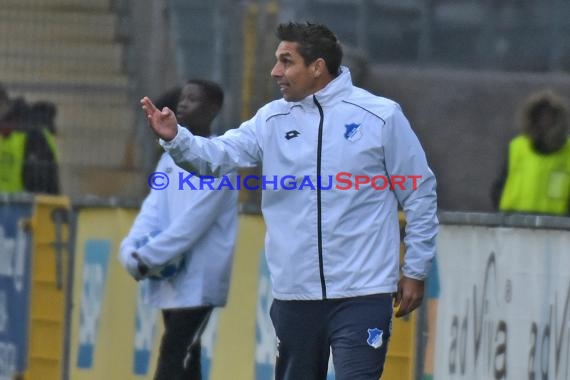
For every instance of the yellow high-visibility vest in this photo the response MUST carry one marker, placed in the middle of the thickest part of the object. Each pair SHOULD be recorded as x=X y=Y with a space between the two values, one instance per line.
x=12 y=162
x=536 y=183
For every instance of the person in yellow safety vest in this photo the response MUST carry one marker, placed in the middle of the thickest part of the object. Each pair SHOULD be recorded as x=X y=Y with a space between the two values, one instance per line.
x=28 y=153
x=12 y=142
x=12 y=146
x=536 y=178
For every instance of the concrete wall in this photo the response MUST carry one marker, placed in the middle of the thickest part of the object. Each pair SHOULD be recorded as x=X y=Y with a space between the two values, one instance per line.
x=464 y=120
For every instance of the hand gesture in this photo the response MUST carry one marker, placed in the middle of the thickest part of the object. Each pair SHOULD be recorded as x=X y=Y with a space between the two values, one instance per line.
x=163 y=123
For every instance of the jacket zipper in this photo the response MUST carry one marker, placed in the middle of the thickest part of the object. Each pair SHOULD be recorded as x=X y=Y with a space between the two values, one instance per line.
x=319 y=216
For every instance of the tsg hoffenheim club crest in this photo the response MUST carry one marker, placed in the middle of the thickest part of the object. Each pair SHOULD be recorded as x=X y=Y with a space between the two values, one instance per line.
x=375 y=338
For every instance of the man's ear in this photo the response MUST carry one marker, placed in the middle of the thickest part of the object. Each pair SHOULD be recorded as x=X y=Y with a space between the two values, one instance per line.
x=319 y=67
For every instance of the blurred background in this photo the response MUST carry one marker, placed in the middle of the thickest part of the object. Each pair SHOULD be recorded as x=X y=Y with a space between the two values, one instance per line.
x=459 y=68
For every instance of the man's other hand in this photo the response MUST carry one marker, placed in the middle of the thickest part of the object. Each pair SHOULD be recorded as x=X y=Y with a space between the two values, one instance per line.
x=409 y=296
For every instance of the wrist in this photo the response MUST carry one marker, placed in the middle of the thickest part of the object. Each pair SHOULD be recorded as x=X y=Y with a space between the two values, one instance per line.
x=170 y=136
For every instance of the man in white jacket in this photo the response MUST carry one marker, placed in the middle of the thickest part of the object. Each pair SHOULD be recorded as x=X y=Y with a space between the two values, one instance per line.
x=336 y=162
x=195 y=228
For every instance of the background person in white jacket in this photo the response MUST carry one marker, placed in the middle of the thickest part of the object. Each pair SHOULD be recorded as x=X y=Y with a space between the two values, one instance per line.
x=199 y=226
x=332 y=252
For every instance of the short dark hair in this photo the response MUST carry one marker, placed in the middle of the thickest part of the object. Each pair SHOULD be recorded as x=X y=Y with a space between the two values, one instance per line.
x=213 y=92
x=315 y=41
x=169 y=98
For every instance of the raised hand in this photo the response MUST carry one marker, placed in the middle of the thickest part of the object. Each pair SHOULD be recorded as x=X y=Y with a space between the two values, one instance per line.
x=163 y=123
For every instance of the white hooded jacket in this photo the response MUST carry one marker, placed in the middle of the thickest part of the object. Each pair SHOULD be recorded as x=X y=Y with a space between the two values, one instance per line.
x=328 y=242
x=200 y=224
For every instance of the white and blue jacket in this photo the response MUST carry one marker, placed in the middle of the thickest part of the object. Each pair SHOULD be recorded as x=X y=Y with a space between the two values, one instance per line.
x=201 y=224
x=330 y=243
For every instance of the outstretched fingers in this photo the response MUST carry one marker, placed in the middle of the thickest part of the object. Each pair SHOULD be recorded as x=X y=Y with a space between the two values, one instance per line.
x=163 y=123
x=148 y=106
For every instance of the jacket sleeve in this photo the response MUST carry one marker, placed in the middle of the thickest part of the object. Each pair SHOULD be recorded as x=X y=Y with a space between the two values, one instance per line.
x=146 y=222
x=499 y=184
x=405 y=156
x=193 y=221
x=237 y=148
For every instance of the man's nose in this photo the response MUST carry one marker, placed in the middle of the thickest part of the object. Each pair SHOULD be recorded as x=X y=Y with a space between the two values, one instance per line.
x=277 y=71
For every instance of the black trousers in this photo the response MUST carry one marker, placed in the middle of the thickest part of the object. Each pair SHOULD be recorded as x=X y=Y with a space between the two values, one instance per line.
x=356 y=329
x=180 y=350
